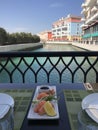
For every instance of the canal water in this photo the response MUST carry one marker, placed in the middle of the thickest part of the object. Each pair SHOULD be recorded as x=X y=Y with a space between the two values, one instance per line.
x=42 y=77
x=58 y=47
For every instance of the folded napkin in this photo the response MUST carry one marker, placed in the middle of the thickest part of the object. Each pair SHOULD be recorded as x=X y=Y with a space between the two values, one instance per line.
x=93 y=106
x=92 y=111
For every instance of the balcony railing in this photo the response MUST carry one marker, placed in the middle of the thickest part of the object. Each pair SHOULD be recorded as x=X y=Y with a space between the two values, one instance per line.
x=15 y=66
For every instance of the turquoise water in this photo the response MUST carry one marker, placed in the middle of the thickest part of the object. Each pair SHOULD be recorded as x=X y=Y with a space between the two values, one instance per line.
x=52 y=47
x=42 y=77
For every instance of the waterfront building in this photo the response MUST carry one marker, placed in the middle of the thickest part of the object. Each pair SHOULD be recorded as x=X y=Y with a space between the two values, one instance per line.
x=90 y=25
x=45 y=35
x=67 y=29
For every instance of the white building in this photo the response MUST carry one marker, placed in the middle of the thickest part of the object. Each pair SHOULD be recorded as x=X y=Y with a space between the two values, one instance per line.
x=90 y=26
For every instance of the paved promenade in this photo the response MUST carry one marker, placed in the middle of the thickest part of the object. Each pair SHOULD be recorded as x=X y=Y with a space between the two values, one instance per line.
x=86 y=46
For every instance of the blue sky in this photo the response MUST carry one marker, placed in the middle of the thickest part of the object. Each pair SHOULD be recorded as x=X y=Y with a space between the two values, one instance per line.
x=35 y=15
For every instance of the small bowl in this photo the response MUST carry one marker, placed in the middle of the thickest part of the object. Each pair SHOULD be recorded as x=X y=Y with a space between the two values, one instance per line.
x=44 y=88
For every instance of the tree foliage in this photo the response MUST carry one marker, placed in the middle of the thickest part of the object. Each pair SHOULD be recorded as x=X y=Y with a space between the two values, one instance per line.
x=3 y=36
x=17 y=38
x=36 y=38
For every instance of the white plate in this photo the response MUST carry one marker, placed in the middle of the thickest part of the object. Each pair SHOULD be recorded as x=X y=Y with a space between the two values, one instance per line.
x=34 y=116
x=90 y=102
x=6 y=99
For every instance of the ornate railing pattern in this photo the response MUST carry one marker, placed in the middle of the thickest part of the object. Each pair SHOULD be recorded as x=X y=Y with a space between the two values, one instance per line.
x=72 y=65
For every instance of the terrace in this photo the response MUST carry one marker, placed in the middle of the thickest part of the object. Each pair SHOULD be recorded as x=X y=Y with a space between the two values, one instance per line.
x=22 y=91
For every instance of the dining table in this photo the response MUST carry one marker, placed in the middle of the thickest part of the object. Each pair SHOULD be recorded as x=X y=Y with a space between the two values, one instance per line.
x=69 y=104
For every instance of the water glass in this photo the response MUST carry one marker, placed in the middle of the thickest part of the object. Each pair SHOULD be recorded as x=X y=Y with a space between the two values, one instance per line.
x=85 y=122
x=7 y=122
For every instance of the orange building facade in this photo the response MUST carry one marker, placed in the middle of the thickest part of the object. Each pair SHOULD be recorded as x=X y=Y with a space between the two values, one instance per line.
x=45 y=36
x=49 y=33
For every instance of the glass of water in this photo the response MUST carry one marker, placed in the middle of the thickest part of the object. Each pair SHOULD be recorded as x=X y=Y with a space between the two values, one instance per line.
x=7 y=122
x=85 y=122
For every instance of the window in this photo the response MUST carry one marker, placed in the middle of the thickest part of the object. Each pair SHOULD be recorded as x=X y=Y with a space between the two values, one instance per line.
x=64 y=29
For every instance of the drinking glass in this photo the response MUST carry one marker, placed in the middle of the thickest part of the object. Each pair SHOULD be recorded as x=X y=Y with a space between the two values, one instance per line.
x=7 y=122
x=85 y=122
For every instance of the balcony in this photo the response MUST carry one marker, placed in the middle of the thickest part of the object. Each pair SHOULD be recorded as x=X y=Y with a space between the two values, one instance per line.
x=83 y=5
x=36 y=62
x=94 y=9
x=90 y=2
x=83 y=26
x=83 y=19
x=83 y=11
x=93 y=18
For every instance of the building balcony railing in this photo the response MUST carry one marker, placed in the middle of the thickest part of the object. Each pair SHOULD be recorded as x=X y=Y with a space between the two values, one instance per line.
x=90 y=2
x=29 y=66
x=93 y=18
x=83 y=5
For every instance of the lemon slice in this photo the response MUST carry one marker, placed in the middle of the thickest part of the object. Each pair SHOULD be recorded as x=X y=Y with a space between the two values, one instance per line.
x=50 y=111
